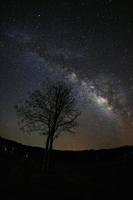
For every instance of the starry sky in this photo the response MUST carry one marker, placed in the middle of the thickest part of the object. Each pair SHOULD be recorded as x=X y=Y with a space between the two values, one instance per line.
x=90 y=43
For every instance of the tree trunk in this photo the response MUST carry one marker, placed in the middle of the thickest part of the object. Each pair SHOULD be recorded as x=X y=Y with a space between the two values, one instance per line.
x=46 y=156
x=50 y=151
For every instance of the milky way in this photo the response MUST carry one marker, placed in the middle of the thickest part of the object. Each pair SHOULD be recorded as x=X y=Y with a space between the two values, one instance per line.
x=88 y=44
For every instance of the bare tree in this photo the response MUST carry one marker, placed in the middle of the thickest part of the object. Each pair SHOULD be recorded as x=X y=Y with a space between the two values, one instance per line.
x=49 y=111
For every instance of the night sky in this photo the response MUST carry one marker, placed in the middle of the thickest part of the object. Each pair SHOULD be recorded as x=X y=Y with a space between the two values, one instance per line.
x=90 y=43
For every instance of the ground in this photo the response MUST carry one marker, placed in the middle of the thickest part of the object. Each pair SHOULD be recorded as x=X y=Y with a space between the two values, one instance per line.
x=94 y=180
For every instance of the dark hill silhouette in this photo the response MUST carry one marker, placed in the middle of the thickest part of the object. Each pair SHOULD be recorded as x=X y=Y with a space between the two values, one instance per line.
x=8 y=147
x=97 y=174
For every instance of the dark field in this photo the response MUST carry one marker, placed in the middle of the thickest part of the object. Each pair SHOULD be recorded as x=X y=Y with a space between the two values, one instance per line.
x=103 y=174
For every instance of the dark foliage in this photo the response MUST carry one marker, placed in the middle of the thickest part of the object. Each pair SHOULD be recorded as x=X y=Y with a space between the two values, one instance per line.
x=49 y=111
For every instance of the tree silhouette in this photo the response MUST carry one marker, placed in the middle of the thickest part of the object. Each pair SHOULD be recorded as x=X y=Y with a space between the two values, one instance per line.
x=50 y=111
